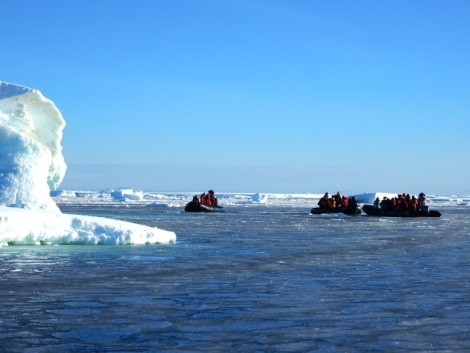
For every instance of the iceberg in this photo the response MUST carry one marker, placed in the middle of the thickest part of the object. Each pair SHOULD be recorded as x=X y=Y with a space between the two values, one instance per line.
x=31 y=160
x=127 y=194
x=32 y=165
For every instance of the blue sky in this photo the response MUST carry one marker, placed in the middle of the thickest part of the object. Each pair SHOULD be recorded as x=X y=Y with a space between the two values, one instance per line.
x=251 y=95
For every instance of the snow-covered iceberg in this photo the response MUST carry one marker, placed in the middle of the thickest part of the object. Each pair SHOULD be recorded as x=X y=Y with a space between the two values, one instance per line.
x=31 y=165
x=31 y=160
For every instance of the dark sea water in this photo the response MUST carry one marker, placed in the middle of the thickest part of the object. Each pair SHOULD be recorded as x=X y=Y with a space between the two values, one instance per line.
x=254 y=279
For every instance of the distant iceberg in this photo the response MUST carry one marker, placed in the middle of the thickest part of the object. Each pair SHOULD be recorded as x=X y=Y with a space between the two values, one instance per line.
x=123 y=194
x=31 y=165
x=260 y=198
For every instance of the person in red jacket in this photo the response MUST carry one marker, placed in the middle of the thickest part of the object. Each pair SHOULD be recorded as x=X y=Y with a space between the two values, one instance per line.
x=403 y=205
x=211 y=199
x=203 y=199
x=413 y=204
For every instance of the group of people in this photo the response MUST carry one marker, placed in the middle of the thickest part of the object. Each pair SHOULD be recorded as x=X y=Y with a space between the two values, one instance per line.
x=208 y=199
x=336 y=201
x=403 y=202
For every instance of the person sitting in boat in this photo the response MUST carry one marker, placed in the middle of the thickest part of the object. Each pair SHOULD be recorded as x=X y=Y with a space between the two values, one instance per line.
x=422 y=202
x=323 y=203
x=402 y=204
x=337 y=198
x=413 y=204
x=377 y=202
x=203 y=198
x=352 y=202
x=211 y=200
x=386 y=204
x=344 y=201
x=422 y=199
x=408 y=198
x=332 y=202
x=195 y=199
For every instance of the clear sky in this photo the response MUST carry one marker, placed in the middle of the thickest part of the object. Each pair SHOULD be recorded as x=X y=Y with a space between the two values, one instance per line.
x=251 y=95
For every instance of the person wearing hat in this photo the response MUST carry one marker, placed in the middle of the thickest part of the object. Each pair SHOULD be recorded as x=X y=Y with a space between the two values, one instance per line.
x=323 y=203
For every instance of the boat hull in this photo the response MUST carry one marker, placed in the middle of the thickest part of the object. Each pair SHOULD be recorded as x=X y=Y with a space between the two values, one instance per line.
x=371 y=210
x=197 y=207
x=346 y=210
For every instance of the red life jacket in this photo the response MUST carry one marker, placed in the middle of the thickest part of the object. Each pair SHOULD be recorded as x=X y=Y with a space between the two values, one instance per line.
x=203 y=198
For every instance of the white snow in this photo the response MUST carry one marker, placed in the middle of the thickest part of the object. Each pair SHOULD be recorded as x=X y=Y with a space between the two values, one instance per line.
x=31 y=161
x=32 y=164
x=37 y=227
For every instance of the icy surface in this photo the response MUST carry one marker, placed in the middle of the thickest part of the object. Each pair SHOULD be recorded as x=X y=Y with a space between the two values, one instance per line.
x=256 y=278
